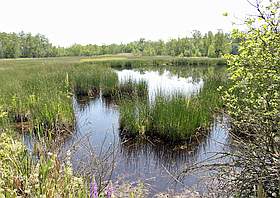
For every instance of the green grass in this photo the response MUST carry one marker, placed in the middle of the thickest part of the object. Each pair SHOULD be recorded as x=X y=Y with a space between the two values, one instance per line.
x=134 y=118
x=36 y=95
x=142 y=61
x=39 y=92
x=129 y=89
x=88 y=79
x=175 y=118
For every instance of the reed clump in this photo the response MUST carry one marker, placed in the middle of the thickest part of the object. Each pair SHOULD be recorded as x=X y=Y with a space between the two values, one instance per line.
x=134 y=118
x=88 y=79
x=173 y=119
x=128 y=89
x=38 y=93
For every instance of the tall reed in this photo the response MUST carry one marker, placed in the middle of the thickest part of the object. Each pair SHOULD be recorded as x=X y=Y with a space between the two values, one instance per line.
x=174 y=118
x=38 y=93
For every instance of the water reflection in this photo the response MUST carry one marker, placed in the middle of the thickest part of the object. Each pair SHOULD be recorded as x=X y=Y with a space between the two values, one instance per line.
x=97 y=124
x=164 y=82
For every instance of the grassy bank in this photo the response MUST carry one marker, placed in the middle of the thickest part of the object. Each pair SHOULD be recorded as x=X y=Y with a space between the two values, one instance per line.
x=37 y=94
x=128 y=62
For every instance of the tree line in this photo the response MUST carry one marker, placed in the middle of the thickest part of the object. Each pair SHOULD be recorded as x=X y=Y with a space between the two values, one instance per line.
x=26 y=45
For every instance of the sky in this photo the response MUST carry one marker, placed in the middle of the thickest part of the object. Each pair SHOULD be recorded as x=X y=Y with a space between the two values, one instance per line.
x=66 y=22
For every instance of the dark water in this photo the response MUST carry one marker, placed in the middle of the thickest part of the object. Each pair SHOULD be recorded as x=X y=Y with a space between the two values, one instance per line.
x=155 y=164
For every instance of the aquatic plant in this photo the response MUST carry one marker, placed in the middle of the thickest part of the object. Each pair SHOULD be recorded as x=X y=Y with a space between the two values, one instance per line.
x=172 y=118
x=125 y=89
x=131 y=88
x=37 y=94
x=134 y=118
x=87 y=79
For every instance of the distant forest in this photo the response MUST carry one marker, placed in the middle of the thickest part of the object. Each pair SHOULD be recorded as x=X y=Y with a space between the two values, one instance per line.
x=26 y=45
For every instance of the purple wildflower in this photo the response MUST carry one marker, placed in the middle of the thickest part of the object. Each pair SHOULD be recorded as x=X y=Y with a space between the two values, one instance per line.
x=93 y=189
x=110 y=190
x=90 y=189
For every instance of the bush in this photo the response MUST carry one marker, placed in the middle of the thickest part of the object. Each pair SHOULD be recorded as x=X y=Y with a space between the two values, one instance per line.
x=252 y=101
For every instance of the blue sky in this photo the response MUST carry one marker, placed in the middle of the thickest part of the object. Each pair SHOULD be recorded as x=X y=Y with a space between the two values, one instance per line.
x=66 y=22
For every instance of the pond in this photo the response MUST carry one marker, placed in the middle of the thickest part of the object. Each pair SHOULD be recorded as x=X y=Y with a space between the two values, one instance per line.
x=154 y=163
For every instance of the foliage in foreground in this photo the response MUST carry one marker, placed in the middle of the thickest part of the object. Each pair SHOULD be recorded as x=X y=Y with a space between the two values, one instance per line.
x=252 y=101
x=22 y=175
x=25 y=177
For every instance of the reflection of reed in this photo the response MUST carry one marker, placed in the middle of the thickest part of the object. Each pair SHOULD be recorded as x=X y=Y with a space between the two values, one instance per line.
x=136 y=153
x=154 y=155
x=109 y=102
x=82 y=103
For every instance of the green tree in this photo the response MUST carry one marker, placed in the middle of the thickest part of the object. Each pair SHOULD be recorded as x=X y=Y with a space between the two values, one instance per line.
x=1 y=50
x=255 y=71
x=25 y=45
x=211 y=51
x=221 y=43
x=253 y=103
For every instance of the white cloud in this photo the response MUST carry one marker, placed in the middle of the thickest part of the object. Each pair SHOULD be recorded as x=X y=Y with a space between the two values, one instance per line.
x=66 y=22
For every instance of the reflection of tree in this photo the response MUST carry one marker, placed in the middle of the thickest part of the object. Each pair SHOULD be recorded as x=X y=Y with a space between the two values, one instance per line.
x=196 y=72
